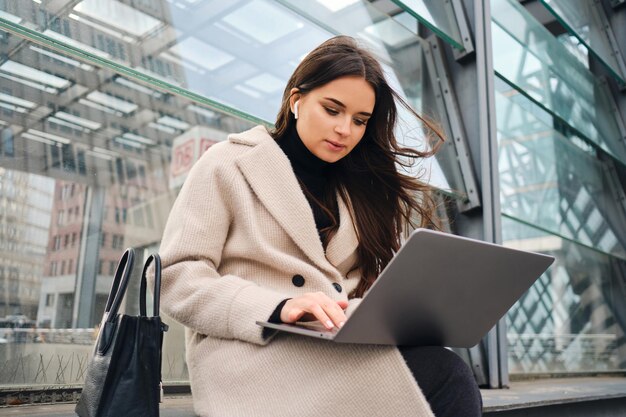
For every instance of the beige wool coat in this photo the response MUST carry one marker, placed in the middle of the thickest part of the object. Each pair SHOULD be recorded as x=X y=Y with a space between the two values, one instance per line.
x=239 y=231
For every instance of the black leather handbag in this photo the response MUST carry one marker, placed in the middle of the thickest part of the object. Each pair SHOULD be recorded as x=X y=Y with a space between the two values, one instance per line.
x=123 y=378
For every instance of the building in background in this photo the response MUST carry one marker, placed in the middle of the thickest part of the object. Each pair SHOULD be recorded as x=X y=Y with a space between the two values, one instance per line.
x=25 y=201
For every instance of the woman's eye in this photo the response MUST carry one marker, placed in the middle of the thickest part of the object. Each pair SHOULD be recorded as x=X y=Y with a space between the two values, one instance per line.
x=359 y=122
x=330 y=111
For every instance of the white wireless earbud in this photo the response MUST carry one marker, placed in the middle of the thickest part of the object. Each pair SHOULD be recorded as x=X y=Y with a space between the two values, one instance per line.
x=295 y=109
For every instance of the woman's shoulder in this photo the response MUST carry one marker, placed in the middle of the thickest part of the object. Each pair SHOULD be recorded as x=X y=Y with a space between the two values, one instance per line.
x=251 y=137
x=227 y=151
x=223 y=155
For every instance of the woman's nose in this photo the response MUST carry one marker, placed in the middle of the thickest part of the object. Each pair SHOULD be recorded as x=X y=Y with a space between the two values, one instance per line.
x=343 y=127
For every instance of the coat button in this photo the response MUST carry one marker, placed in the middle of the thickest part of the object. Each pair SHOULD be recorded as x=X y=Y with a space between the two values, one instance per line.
x=337 y=286
x=298 y=280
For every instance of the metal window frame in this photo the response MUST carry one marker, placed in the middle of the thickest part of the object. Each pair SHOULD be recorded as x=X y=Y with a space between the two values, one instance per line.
x=496 y=342
x=466 y=35
x=613 y=44
x=449 y=108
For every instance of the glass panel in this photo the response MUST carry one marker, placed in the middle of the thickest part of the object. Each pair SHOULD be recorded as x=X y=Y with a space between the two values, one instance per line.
x=224 y=54
x=90 y=162
x=215 y=50
x=583 y=19
x=549 y=182
x=536 y=63
x=438 y=16
x=573 y=319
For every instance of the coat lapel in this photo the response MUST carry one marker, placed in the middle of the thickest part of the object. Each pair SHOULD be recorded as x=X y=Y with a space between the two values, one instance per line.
x=269 y=173
x=345 y=240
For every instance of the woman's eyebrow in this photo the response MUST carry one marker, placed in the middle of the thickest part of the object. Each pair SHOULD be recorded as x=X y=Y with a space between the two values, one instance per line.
x=340 y=104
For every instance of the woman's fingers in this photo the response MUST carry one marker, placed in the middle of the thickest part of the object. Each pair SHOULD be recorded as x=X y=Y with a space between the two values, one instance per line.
x=319 y=305
x=335 y=313
x=320 y=314
x=332 y=309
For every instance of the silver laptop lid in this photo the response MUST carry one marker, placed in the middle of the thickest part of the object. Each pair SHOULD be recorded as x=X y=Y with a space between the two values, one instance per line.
x=442 y=289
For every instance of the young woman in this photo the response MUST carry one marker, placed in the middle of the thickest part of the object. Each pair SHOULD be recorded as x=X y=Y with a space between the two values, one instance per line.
x=295 y=224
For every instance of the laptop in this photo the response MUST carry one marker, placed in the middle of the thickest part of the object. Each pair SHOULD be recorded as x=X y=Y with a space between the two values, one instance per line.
x=438 y=290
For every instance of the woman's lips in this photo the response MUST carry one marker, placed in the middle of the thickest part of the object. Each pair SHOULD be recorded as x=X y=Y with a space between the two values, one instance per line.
x=334 y=146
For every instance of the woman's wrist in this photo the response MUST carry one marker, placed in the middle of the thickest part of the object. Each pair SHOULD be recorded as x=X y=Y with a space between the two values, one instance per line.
x=275 y=317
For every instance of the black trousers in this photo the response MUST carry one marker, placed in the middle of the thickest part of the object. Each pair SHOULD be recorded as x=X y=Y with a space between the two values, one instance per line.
x=446 y=381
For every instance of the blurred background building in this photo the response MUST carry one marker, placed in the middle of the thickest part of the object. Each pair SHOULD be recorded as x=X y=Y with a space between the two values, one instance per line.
x=106 y=104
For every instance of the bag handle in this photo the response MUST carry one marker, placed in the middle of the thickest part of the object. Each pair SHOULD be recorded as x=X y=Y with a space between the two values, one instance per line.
x=120 y=283
x=157 y=285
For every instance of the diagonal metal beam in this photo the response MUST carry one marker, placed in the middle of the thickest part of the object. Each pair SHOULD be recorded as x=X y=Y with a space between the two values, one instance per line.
x=466 y=35
x=450 y=114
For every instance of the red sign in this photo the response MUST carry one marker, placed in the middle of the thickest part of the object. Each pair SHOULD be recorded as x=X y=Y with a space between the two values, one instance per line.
x=183 y=157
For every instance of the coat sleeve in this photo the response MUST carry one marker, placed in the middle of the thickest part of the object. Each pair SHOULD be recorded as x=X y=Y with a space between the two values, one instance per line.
x=192 y=291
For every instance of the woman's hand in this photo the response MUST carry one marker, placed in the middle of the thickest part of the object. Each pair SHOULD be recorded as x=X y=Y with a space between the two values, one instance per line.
x=315 y=306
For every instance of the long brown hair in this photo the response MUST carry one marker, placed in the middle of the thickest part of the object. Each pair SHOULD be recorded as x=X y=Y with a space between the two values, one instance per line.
x=383 y=201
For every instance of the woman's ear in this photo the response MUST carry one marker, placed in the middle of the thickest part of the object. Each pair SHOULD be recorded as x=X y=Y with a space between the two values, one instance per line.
x=293 y=99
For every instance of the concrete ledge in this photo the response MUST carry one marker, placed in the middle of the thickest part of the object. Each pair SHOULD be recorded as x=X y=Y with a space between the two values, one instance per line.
x=585 y=397
x=548 y=393
x=174 y=406
x=545 y=392
x=613 y=407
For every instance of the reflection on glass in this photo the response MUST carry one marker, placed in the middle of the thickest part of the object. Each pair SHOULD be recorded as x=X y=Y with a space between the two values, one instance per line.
x=116 y=15
x=436 y=15
x=573 y=318
x=547 y=181
x=336 y=5
x=90 y=163
x=583 y=18
x=245 y=19
x=224 y=53
x=16 y=72
x=529 y=57
x=383 y=34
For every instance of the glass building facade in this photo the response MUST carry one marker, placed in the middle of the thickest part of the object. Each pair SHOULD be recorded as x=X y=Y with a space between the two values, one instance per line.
x=106 y=104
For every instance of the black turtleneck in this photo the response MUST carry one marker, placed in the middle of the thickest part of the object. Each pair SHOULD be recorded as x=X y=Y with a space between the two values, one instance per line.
x=312 y=172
